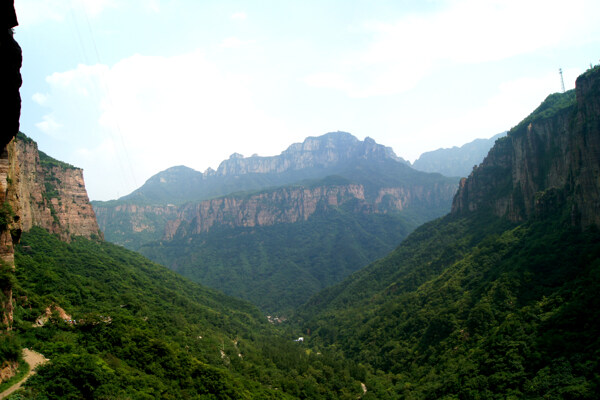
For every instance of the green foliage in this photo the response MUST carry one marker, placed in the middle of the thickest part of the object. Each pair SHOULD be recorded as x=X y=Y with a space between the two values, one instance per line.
x=22 y=370
x=279 y=267
x=142 y=331
x=553 y=104
x=472 y=308
x=10 y=347
x=7 y=215
x=48 y=162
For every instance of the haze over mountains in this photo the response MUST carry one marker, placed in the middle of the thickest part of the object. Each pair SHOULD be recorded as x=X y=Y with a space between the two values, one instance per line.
x=456 y=161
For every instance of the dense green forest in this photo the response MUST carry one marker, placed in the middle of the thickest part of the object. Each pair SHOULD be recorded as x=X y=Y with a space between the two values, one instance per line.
x=140 y=331
x=279 y=267
x=476 y=309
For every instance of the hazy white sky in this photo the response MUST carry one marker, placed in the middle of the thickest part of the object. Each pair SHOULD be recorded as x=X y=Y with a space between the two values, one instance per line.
x=125 y=89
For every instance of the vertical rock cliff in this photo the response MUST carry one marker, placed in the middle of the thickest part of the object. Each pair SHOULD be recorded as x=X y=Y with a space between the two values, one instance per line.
x=52 y=194
x=550 y=159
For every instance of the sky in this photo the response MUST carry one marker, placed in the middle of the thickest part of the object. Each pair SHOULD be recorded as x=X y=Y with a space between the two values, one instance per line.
x=126 y=89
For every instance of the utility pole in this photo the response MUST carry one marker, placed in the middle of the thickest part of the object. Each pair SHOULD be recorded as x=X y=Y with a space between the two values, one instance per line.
x=562 y=82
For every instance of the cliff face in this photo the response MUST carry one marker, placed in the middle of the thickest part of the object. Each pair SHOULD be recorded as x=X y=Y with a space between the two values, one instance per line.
x=269 y=207
x=292 y=204
x=552 y=158
x=10 y=226
x=52 y=195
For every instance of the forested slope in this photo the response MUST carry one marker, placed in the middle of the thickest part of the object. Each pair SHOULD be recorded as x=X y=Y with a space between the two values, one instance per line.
x=115 y=325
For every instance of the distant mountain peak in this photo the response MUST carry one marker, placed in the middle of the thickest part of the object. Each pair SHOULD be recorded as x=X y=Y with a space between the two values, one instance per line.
x=315 y=151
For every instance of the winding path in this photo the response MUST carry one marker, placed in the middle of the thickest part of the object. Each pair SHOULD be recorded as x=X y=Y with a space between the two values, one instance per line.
x=33 y=359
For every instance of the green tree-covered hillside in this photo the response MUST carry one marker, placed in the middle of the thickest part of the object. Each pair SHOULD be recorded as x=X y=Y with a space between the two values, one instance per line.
x=137 y=330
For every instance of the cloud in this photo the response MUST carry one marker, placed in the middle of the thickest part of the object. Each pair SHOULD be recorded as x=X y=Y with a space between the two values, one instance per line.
x=148 y=113
x=512 y=101
x=39 y=98
x=32 y=12
x=400 y=53
x=234 y=42
x=48 y=125
x=239 y=16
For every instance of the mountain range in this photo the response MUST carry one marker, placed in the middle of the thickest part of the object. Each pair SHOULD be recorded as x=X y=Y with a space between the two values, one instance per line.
x=319 y=211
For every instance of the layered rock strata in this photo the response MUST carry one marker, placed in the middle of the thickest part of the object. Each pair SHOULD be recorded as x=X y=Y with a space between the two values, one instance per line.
x=52 y=195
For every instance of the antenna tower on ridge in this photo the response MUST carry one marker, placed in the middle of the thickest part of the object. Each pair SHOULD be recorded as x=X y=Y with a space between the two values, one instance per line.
x=562 y=82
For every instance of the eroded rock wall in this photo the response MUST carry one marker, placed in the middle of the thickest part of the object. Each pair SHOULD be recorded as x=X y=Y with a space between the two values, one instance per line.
x=52 y=195
x=543 y=164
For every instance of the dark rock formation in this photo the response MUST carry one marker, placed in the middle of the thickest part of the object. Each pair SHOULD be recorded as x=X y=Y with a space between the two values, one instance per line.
x=552 y=157
x=10 y=75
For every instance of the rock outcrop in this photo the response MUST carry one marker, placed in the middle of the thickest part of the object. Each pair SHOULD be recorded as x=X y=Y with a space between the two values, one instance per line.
x=52 y=194
x=10 y=225
x=551 y=158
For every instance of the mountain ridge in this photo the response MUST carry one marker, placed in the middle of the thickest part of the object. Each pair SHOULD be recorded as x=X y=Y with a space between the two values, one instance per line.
x=456 y=161
x=313 y=158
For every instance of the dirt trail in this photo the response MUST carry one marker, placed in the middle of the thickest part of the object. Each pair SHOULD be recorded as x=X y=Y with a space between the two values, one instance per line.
x=33 y=359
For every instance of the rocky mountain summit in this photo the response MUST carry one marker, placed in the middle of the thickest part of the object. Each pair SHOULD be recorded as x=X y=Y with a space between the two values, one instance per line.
x=314 y=158
x=331 y=149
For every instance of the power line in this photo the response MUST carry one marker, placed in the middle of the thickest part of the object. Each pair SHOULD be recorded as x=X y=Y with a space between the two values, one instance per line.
x=106 y=89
